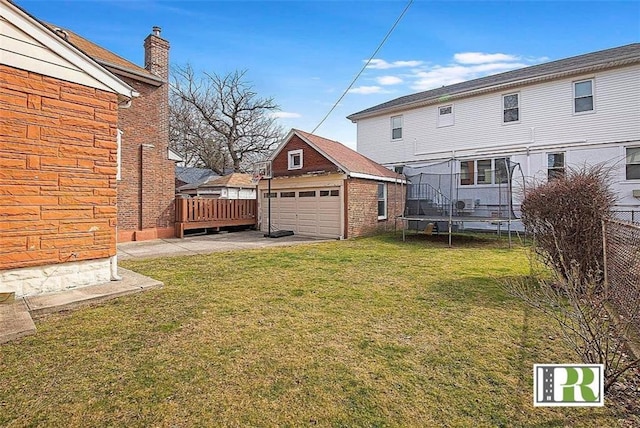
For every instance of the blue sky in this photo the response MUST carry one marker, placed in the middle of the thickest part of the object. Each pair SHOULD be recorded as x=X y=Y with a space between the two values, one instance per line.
x=304 y=54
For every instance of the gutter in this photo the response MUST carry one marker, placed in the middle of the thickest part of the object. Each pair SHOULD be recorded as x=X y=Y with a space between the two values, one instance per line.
x=133 y=74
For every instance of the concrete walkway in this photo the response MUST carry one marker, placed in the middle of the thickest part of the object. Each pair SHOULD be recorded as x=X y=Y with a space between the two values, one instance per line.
x=206 y=244
x=16 y=319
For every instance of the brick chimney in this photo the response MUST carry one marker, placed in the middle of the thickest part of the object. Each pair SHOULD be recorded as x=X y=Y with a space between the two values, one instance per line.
x=156 y=54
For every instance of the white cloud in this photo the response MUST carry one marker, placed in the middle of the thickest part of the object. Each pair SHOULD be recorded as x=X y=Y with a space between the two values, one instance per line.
x=286 y=115
x=389 y=80
x=366 y=90
x=482 y=58
x=380 y=64
x=438 y=76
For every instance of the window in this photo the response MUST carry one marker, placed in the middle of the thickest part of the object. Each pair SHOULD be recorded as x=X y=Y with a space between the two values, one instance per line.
x=485 y=174
x=396 y=127
x=445 y=115
x=510 y=108
x=555 y=165
x=329 y=193
x=502 y=170
x=382 y=201
x=484 y=171
x=466 y=173
x=295 y=159
x=119 y=155
x=307 y=194
x=287 y=194
x=270 y=195
x=633 y=163
x=583 y=96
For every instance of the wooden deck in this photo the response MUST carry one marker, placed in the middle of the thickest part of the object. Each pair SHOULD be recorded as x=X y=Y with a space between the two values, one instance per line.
x=204 y=213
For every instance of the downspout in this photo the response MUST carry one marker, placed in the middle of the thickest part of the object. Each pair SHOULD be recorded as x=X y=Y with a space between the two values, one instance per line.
x=113 y=260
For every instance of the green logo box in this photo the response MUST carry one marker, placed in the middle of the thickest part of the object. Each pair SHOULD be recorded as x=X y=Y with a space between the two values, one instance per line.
x=569 y=385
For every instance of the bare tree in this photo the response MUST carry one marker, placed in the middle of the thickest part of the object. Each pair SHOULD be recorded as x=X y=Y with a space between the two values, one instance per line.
x=219 y=121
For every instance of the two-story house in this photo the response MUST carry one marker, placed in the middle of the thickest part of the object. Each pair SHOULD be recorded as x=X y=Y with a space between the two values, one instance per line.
x=501 y=131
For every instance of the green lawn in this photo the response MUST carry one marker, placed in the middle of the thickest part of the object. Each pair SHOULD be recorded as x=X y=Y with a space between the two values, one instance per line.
x=366 y=332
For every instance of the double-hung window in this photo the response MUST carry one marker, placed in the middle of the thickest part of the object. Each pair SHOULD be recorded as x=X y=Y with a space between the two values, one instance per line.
x=583 y=96
x=382 y=201
x=633 y=163
x=510 y=108
x=396 y=127
x=555 y=165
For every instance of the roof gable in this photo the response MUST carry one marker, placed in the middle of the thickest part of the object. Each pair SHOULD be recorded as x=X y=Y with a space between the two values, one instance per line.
x=608 y=58
x=27 y=44
x=345 y=159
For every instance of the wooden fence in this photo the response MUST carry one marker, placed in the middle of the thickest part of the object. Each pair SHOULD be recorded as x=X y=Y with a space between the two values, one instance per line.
x=203 y=213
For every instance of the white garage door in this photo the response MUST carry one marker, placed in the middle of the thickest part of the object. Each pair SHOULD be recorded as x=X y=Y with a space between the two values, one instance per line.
x=310 y=212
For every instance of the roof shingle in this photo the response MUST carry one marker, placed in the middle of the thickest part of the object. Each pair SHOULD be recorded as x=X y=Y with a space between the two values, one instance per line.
x=347 y=158
x=100 y=54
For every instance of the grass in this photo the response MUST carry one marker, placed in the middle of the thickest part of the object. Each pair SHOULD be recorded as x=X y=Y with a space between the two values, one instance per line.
x=369 y=332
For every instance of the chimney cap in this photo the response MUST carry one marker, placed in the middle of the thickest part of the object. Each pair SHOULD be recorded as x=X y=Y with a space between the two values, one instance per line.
x=156 y=31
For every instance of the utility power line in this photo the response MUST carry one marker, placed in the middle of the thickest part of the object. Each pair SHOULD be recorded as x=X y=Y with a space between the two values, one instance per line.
x=395 y=24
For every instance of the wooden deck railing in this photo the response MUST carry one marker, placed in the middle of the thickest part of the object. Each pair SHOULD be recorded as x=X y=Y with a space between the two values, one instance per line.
x=202 y=213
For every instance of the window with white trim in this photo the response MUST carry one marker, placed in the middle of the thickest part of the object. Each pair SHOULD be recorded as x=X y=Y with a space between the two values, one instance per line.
x=396 y=127
x=119 y=155
x=295 y=159
x=583 y=96
x=445 y=115
x=510 y=108
x=484 y=171
x=633 y=163
x=382 y=201
x=555 y=165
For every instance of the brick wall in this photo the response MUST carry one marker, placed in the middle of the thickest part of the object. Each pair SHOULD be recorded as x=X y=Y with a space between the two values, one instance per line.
x=362 y=207
x=57 y=170
x=312 y=160
x=147 y=189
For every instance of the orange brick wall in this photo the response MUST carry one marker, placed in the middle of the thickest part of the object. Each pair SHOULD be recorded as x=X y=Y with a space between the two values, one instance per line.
x=362 y=207
x=57 y=170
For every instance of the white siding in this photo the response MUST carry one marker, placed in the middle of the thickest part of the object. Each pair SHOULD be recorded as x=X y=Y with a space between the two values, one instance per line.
x=546 y=118
x=547 y=124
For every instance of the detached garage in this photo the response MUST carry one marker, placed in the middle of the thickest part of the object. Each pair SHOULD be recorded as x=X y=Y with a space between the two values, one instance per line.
x=322 y=188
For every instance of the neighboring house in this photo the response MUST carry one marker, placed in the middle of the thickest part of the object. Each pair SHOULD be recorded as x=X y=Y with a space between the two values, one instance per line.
x=146 y=185
x=232 y=186
x=323 y=188
x=191 y=175
x=59 y=113
x=535 y=121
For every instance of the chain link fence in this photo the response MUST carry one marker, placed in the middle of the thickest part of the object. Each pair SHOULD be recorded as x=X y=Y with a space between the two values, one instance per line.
x=628 y=216
x=622 y=266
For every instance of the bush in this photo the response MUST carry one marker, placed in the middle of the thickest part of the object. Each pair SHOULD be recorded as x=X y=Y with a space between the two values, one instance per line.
x=565 y=216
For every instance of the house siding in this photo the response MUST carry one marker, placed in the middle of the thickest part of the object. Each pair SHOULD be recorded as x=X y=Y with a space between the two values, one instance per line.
x=362 y=207
x=312 y=160
x=57 y=171
x=546 y=118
